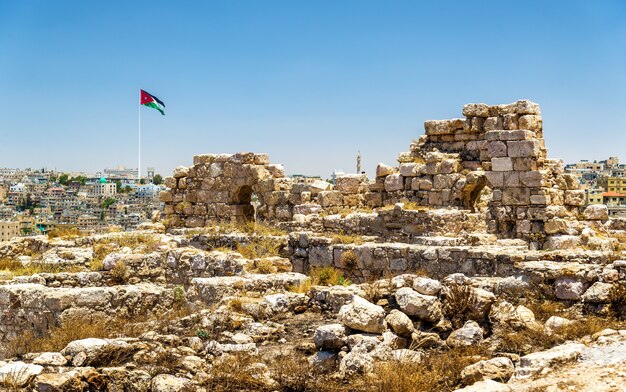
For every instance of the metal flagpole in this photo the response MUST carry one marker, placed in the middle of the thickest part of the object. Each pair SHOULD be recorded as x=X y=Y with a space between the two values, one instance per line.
x=139 y=164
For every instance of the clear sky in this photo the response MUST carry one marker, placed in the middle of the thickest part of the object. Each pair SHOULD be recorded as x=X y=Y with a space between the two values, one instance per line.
x=309 y=83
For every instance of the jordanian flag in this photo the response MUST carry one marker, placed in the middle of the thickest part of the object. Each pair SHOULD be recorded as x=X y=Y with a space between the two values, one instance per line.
x=150 y=100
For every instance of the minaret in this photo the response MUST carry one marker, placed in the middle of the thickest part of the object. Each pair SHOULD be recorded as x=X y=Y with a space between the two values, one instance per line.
x=358 y=162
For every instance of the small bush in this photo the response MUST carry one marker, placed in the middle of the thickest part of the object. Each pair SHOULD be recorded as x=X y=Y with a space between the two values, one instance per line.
x=64 y=232
x=179 y=297
x=120 y=272
x=258 y=248
x=302 y=288
x=617 y=301
x=346 y=239
x=438 y=371
x=264 y=266
x=460 y=305
x=328 y=276
x=348 y=259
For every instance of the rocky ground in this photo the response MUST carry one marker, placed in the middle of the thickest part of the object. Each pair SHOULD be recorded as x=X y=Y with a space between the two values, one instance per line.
x=222 y=309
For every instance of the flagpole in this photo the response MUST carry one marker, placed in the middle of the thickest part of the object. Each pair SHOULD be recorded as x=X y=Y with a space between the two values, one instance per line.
x=139 y=160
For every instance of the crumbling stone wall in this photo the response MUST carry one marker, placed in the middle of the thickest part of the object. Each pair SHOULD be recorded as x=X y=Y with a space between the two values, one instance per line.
x=498 y=147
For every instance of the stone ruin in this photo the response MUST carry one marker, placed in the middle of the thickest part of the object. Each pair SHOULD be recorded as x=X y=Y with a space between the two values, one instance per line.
x=497 y=150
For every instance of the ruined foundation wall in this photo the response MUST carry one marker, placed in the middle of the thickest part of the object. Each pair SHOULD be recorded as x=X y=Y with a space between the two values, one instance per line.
x=500 y=148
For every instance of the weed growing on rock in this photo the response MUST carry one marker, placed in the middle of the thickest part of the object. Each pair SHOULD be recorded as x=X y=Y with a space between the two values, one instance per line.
x=120 y=272
x=258 y=248
x=328 y=276
x=13 y=267
x=460 y=305
x=617 y=301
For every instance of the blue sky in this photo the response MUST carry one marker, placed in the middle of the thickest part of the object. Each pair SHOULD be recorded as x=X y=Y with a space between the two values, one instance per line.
x=310 y=83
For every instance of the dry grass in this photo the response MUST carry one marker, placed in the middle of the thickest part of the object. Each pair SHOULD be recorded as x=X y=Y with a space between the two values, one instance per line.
x=328 y=276
x=413 y=206
x=65 y=232
x=438 y=371
x=528 y=340
x=120 y=272
x=258 y=248
x=302 y=288
x=264 y=266
x=460 y=305
x=617 y=301
x=246 y=227
x=72 y=329
x=348 y=259
x=342 y=238
x=12 y=267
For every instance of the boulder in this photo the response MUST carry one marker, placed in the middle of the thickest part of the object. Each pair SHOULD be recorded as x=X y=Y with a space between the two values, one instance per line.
x=169 y=383
x=426 y=286
x=536 y=362
x=412 y=303
x=499 y=368
x=356 y=362
x=596 y=212
x=399 y=323
x=569 y=288
x=58 y=382
x=556 y=322
x=486 y=386
x=598 y=293
x=18 y=373
x=332 y=337
x=50 y=359
x=362 y=315
x=471 y=333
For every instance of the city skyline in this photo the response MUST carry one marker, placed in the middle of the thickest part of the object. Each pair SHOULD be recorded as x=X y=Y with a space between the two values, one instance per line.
x=308 y=84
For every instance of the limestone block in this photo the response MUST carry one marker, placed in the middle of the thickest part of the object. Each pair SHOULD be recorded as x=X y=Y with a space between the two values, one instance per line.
x=362 y=315
x=353 y=200
x=216 y=169
x=501 y=164
x=569 y=288
x=526 y=106
x=495 y=179
x=181 y=171
x=412 y=303
x=539 y=199
x=448 y=166
x=531 y=122
x=509 y=121
x=496 y=149
x=318 y=186
x=516 y=196
x=511 y=179
x=492 y=123
x=330 y=198
x=519 y=134
x=437 y=127
x=170 y=182
x=435 y=198
x=561 y=242
x=166 y=196
x=444 y=181
x=476 y=110
x=331 y=336
x=477 y=124
x=400 y=323
x=556 y=226
x=533 y=179
x=596 y=212
x=383 y=170
x=404 y=157
x=534 y=363
x=575 y=198
x=499 y=368
x=470 y=334
x=523 y=148
x=349 y=183
x=425 y=184
x=524 y=164
x=276 y=170
x=394 y=182
x=261 y=159
x=408 y=169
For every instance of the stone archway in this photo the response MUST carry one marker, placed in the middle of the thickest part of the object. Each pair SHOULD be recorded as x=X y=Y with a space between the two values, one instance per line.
x=244 y=208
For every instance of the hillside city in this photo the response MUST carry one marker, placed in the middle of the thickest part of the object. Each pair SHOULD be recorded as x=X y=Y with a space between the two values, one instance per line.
x=35 y=201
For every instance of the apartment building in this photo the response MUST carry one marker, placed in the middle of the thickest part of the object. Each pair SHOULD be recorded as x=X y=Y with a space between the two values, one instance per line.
x=9 y=229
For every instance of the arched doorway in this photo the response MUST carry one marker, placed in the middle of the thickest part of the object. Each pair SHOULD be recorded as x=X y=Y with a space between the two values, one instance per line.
x=244 y=204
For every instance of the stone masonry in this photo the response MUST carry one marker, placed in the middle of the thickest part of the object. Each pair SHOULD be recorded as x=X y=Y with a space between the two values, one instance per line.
x=498 y=148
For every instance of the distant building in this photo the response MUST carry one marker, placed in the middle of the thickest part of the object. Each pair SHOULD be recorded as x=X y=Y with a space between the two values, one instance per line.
x=9 y=229
x=121 y=172
x=104 y=188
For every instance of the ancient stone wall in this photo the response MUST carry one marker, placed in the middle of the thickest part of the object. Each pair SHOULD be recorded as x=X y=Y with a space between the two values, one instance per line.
x=500 y=148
